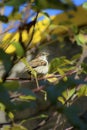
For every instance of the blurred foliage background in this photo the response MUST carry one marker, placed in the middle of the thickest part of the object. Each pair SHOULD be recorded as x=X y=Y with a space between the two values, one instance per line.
x=60 y=102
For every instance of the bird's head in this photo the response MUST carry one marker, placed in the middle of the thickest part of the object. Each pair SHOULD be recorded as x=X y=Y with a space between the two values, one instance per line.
x=42 y=55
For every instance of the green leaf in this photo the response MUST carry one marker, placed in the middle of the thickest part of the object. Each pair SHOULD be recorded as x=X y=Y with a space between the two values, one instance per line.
x=84 y=5
x=3 y=18
x=22 y=105
x=81 y=39
x=61 y=72
x=15 y=4
x=74 y=29
x=5 y=98
x=2 y=107
x=26 y=92
x=82 y=91
x=53 y=92
x=11 y=115
x=28 y=97
x=12 y=85
x=15 y=16
x=19 y=49
x=66 y=95
x=59 y=63
x=7 y=127
x=46 y=15
x=6 y=59
x=84 y=67
x=77 y=40
x=39 y=117
x=18 y=127
x=73 y=118
x=54 y=4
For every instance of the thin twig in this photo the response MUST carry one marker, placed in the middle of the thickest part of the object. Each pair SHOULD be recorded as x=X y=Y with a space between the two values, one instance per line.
x=70 y=128
x=35 y=20
x=57 y=122
x=45 y=77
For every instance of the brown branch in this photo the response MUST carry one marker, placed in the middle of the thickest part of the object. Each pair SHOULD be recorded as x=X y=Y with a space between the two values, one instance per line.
x=42 y=78
x=70 y=128
x=35 y=20
x=45 y=77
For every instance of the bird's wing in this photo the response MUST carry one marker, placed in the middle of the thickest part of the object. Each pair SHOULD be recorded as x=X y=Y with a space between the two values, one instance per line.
x=37 y=62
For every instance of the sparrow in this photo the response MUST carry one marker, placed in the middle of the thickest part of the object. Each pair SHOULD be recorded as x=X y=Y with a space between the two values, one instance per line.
x=40 y=63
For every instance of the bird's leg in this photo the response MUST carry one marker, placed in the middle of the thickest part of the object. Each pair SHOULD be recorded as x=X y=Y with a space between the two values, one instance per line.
x=35 y=77
x=37 y=82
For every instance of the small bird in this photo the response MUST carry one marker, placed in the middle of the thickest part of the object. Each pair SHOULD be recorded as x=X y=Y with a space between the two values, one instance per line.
x=40 y=63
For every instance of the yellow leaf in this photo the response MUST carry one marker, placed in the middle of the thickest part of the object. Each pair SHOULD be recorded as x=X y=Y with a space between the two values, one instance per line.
x=61 y=72
x=11 y=49
x=10 y=114
x=51 y=78
x=18 y=127
x=29 y=97
x=25 y=36
x=8 y=39
x=2 y=107
x=82 y=91
x=61 y=99
x=7 y=128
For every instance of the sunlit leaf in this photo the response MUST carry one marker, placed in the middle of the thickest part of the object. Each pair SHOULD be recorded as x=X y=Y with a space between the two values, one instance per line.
x=66 y=95
x=10 y=49
x=19 y=49
x=82 y=38
x=61 y=99
x=18 y=127
x=77 y=40
x=51 y=78
x=2 y=107
x=7 y=127
x=59 y=63
x=39 y=117
x=84 y=5
x=28 y=97
x=11 y=115
x=53 y=92
x=61 y=72
x=82 y=91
